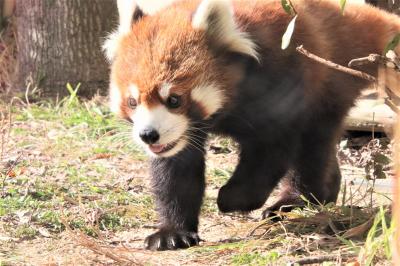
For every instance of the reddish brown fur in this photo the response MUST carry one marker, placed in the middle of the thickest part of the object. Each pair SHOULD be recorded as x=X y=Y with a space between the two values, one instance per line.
x=168 y=49
x=171 y=60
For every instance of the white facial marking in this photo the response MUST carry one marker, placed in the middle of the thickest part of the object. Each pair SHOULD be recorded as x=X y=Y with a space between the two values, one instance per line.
x=165 y=90
x=171 y=127
x=134 y=91
x=220 y=15
x=115 y=98
x=210 y=97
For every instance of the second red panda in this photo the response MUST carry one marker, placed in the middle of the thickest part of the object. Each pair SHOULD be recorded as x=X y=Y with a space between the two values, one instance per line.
x=212 y=66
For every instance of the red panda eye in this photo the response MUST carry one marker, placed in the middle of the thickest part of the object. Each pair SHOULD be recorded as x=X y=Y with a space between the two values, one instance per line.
x=132 y=103
x=174 y=101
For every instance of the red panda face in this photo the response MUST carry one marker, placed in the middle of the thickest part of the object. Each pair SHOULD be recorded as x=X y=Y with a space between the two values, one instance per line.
x=160 y=79
x=166 y=75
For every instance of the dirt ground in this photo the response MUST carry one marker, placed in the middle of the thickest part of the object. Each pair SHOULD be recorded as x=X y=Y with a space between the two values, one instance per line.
x=74 y=190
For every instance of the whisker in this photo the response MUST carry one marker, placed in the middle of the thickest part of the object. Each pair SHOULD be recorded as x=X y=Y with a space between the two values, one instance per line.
x=200 y=144
x=197 y=148
x=195 y=144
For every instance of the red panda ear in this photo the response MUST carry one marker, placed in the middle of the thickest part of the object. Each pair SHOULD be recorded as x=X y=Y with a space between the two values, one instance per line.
x=216 y=18
x=150 y=7
x=129 y=12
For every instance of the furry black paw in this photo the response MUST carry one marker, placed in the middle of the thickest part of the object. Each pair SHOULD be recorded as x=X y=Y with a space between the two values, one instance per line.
x=274 y=214
x=171 y=240
x=270 y=215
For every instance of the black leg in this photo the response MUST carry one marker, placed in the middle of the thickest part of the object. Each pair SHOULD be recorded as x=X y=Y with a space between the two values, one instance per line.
x=334 y=181
x=178 y=184
x=258 y=172
x=288 y=198
x=316 y=173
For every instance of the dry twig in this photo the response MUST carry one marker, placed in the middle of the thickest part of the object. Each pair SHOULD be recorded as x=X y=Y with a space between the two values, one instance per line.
x=394 y=62
x=390 y=61
x=92 y=245
x=333 y=65
x=321 y=259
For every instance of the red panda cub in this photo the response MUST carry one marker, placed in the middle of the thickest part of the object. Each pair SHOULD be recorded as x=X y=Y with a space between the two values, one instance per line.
x=216 y=66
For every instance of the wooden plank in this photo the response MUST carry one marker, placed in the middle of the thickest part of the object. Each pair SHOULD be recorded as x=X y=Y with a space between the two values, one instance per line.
x=371 y=115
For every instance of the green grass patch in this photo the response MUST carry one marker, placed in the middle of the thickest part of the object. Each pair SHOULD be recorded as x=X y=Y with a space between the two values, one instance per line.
x=25 y=232
x=255 y=258
x=218 y=176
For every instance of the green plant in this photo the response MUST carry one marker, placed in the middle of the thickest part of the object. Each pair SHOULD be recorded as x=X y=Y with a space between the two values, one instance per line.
x=379 y=239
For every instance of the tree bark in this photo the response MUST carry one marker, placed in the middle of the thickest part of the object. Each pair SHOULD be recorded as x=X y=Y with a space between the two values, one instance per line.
x=59 y=42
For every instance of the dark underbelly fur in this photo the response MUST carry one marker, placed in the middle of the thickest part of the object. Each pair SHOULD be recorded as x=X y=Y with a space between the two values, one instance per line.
x=279 y=132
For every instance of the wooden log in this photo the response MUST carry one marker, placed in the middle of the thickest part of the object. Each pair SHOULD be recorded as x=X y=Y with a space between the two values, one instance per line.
x=371 y=115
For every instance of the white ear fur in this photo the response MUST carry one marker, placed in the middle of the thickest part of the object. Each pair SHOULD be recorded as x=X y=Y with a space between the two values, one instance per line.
x=216 y=17
x=126 y=10
x=110 y=45
x=150 y=7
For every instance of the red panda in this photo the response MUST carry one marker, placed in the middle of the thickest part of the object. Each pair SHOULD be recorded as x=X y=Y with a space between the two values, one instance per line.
x=216 y=66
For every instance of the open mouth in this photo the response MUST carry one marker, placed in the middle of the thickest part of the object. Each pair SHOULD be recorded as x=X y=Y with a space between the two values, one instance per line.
x=161 y=148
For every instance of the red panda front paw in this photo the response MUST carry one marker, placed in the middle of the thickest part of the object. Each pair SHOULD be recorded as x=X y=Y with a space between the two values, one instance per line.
x=171 y=239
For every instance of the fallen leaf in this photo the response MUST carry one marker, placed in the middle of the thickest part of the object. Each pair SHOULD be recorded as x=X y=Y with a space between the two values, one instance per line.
x=359 y=230
x=352 y=263
x=22 y=171
x=102 y=156
x=11 y=173
x=44 y=232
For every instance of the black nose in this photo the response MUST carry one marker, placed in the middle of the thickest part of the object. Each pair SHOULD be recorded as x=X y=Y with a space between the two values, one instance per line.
x=149 y=135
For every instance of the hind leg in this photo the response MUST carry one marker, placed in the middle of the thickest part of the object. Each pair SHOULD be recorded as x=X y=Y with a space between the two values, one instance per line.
x=290 y=192
x=316 y=176
x=258 y=172
x=288 y=197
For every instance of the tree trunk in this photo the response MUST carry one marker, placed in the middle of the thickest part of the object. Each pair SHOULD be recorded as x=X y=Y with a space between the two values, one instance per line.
x=59 y=42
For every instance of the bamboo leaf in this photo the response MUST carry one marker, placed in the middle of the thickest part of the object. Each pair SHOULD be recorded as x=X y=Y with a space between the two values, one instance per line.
x=392 y=44
x=287 y=6
x=342 y=4
x=286 y=38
